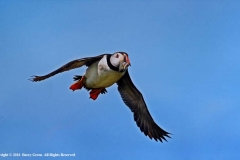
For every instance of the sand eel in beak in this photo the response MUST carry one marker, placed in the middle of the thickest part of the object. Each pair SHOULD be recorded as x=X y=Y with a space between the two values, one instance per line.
x=102 y=72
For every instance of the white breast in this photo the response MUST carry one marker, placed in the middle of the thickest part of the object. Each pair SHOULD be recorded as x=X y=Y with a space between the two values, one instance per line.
x=99 y=75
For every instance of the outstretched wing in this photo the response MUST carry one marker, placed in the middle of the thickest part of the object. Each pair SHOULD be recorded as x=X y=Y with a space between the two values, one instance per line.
x=70 y=65
x=133 y=98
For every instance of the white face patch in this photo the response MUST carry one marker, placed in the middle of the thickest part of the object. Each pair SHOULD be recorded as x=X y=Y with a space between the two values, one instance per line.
x=116 y=59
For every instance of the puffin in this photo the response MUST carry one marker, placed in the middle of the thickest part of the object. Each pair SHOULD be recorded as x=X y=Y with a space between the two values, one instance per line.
x=102 y=72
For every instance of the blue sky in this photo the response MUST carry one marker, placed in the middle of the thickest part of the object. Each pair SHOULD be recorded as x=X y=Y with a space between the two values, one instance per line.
x=185 y=61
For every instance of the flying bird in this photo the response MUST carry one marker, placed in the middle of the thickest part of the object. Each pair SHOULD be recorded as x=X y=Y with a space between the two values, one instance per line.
x=102 y=72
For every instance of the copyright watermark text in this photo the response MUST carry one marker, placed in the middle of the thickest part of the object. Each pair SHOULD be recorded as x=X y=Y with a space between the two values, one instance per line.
x=37 y=155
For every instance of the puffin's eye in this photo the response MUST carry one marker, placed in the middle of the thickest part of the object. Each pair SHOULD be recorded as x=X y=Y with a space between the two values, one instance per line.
x=117 y=56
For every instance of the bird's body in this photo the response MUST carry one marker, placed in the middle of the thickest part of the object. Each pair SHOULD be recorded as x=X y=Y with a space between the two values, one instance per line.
x=102 y=72
x=99 y=75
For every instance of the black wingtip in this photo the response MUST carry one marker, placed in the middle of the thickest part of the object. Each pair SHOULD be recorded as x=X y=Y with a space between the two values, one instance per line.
x=32 y=78
x=35 y=78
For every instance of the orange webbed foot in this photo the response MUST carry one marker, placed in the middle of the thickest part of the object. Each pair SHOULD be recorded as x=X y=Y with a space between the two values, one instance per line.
x=77 y=85
x=95 y=92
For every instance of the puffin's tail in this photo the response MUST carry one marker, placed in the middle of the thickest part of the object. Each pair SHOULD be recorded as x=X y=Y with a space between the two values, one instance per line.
x=77 y=77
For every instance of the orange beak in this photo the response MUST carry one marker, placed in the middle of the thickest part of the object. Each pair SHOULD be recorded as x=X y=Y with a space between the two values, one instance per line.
x=127 y=60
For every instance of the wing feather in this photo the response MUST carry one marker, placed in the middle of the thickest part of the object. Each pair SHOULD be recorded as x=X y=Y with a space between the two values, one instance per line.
x=133 y=98
x=70 y=65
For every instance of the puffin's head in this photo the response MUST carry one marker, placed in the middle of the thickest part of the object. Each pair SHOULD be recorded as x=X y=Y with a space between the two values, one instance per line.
x=120 y=60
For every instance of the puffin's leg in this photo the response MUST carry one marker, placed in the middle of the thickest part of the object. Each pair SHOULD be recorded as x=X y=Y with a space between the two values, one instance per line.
x=95 y=92
x=78 y=84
